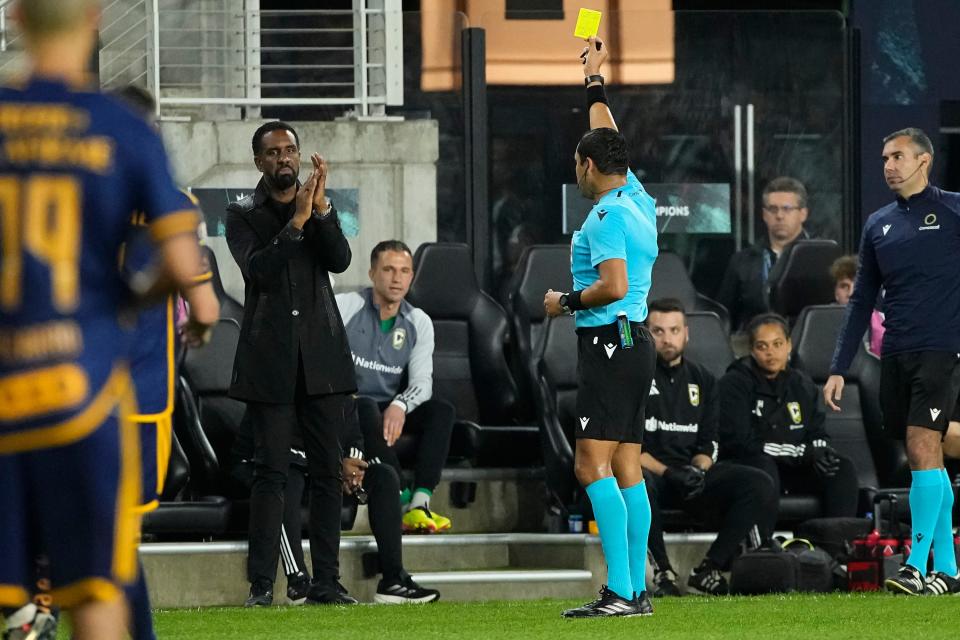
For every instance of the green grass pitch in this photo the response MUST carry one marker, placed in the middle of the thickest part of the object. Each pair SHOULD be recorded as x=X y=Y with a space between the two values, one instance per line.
x=792 y=617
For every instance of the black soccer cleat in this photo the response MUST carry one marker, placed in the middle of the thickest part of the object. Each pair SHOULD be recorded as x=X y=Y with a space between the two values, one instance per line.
x=404 y=591
x=909 y=582
x=941 y=584
x=707 y=581
x=298 y=585
x=609 y=605
x=666 y=583
x=261 y=594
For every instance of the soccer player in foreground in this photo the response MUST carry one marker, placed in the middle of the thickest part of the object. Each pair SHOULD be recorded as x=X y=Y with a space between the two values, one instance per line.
x=612 y=259
x=911 y=248
x=75 y=164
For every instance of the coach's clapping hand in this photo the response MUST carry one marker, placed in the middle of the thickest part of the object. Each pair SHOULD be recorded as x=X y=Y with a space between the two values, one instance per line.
x=688 y=480
x=305 y=201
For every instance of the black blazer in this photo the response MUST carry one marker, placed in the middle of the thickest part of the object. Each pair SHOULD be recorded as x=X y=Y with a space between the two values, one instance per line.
x=290 y=312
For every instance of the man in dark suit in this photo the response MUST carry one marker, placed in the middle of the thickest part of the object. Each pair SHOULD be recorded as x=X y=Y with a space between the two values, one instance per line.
x=293 y=366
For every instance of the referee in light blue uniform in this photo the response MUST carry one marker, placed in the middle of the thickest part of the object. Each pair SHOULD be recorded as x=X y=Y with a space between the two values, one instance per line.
x=613 y=256
x=911 y=248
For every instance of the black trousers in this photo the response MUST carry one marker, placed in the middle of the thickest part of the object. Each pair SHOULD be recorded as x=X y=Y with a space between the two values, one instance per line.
x=838 y=494
x=431 y=423
x=735 y=498
x=320 y=420
x=383 y=508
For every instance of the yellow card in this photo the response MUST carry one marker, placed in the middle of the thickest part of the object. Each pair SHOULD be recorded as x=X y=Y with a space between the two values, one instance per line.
x=588 y=23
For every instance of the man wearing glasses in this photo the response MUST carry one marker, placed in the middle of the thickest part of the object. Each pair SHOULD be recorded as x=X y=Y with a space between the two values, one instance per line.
x=744 y=291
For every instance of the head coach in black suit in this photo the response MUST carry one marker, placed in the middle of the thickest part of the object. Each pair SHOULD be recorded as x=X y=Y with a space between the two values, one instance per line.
x=293 y=366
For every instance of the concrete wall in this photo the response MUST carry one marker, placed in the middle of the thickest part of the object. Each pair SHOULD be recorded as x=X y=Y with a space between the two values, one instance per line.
x=391 y=164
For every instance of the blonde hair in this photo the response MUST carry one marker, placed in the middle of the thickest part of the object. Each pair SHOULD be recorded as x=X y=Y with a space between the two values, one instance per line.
x=43 y=17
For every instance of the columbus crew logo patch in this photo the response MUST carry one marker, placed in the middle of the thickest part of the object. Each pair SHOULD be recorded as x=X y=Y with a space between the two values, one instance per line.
x=693 y=390
x=399 y=338
x=794 y=409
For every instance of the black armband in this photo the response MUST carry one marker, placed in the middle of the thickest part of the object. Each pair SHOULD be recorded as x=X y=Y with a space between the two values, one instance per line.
x=595 y=94
x=573 y=301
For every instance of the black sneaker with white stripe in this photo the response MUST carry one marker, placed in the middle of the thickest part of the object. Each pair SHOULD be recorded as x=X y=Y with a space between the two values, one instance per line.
x=666 y=583
x=609 y=605
x=404 y=591
x=707 y=581
x=909 y=582
x=941 y=584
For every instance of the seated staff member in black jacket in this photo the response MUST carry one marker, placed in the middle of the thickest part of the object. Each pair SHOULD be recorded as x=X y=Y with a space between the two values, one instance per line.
x=771 y=417
x=680 y=455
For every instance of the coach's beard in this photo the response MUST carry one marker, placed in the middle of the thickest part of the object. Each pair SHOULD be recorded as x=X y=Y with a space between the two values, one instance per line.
x=283 y=181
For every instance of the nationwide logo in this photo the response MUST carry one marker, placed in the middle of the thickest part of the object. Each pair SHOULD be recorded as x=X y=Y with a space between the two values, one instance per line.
x=379 y=367
x=652 y=424
x=934 y=413
x=886 y=228
x=583 y=423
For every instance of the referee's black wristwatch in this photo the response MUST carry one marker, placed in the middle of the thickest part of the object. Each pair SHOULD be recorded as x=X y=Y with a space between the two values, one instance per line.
x=564 y=298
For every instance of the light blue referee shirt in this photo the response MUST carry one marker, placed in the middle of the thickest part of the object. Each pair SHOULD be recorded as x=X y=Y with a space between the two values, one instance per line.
x=622 y=224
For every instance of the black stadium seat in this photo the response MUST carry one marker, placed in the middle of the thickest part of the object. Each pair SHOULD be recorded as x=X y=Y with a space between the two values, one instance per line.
x=671 y=280
x=470 y=365
x=180 y=514
x=709 y=344
x=208 y=371
x=814 y=338
x=541 y=267
x=556 y=405
x=801 y=276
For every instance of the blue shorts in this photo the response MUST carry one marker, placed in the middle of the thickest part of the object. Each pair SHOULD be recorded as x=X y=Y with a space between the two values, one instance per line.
x=75 y=504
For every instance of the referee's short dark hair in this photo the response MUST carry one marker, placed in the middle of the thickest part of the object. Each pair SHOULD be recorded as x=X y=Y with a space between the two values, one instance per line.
x=264 y=129
x=917 y=137
x=666 y=305
x=764 y=319
x=786 y=184
x=388 y=245
x=608 y=149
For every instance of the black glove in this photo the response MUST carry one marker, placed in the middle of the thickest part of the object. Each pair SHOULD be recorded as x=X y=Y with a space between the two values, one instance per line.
x=826 y=461
x=687 y=480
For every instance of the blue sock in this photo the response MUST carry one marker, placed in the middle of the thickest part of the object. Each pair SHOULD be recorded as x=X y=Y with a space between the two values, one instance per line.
x=925 y=490
x=611 y=514
x=944 y=554
x=638 y=530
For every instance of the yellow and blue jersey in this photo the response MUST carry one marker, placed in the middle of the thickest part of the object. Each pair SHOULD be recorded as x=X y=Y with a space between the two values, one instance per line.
x=152 y=361
x=621 y=225
x=73 y=165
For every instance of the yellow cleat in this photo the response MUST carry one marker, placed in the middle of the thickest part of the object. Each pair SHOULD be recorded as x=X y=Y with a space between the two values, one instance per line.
x=419 y=520
x=443 y=523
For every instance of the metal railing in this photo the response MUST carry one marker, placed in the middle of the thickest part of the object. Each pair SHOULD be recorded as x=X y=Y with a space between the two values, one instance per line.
x=230 y=53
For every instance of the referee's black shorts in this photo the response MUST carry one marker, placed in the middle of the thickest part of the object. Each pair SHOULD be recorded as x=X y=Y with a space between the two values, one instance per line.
x=919 y=389
x=613 y=383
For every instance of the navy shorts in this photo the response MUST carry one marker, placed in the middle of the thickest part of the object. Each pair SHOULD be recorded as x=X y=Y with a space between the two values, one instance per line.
x=918 y=389
x=613 y=383
x=75 y=504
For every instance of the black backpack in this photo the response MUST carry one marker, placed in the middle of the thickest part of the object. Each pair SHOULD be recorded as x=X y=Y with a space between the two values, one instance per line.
x=797 y=566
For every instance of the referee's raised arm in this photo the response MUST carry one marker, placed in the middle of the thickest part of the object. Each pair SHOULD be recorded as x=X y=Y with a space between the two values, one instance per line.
x=594 y=55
